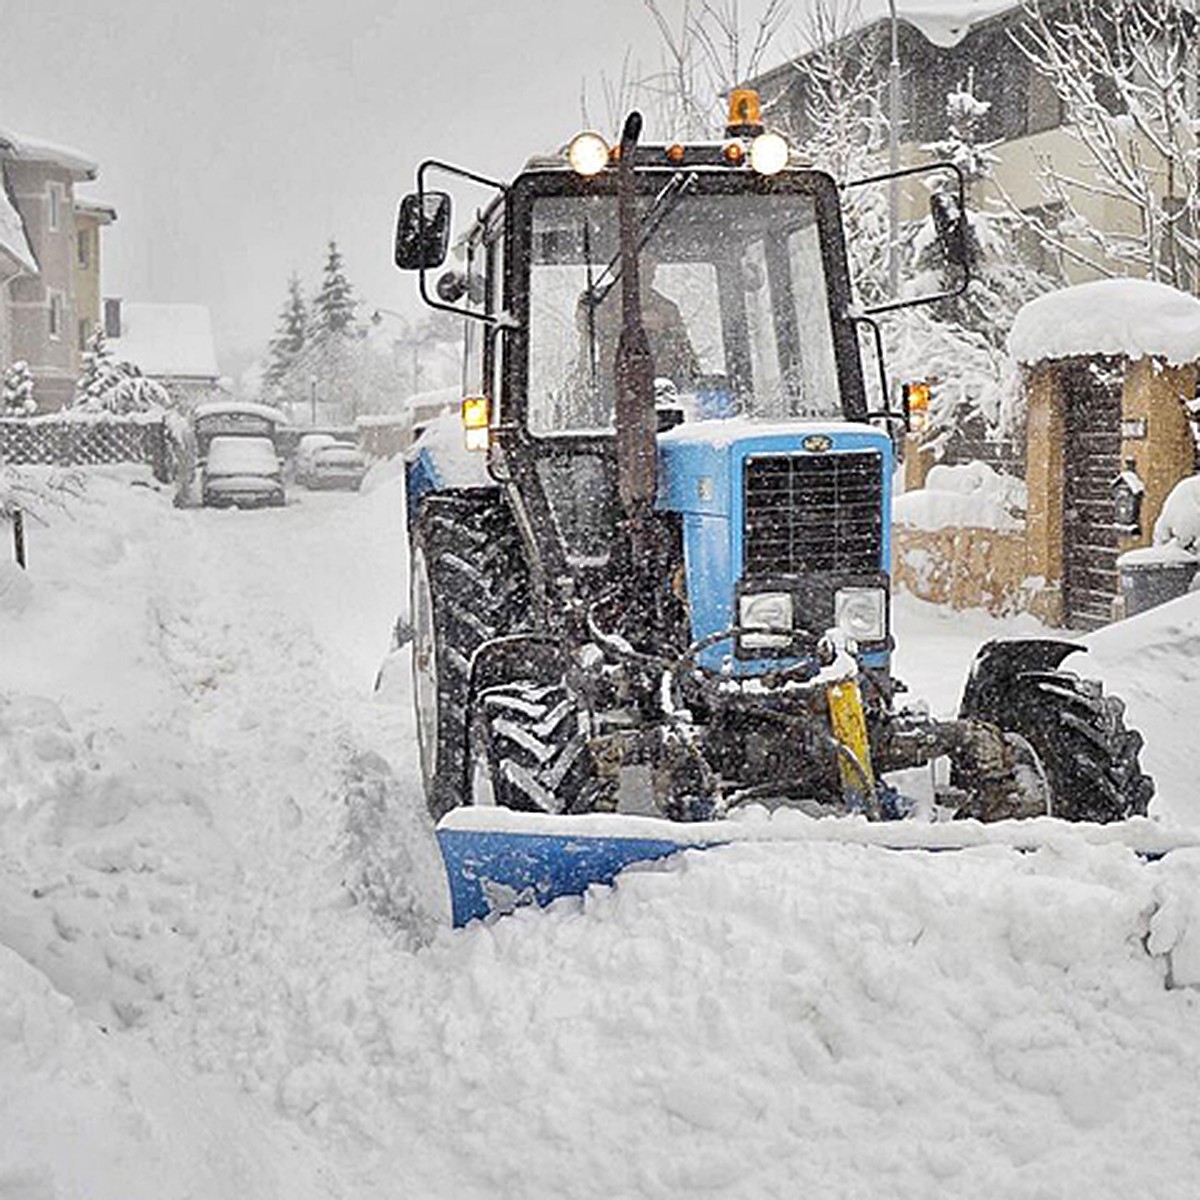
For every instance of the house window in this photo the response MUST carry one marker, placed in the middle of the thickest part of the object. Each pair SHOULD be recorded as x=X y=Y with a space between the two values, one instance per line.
x=83 y=334
x=82 y=247
x=56 y=202
x=56 y=315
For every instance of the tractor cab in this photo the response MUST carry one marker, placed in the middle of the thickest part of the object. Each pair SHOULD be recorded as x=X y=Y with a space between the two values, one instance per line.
x=657 y=548
x=743 y=294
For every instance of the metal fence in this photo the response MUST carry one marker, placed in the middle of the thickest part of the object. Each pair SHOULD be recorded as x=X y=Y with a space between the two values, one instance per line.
x=56 y=441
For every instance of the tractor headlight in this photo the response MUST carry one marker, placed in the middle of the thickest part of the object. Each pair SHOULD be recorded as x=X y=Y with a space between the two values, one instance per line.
x=861 y=613
x=769 y=154
x=768 y=611
x=587 y=153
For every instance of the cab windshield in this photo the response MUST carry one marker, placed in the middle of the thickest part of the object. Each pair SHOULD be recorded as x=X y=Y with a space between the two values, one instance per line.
x=734 y=301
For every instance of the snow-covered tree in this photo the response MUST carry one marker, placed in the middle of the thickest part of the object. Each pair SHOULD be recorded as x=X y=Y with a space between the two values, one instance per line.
x=106 y=385
x=289 y=339
x=99 y=375
x=846 y=134
x=1125 y=72
x=334 y=304
x=17 y=399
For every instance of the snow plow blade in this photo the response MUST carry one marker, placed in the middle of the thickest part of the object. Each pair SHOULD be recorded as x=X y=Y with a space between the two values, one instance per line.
x=498 y=860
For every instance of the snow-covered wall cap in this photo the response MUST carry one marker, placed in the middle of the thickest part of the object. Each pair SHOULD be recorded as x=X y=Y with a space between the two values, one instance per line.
x=1133 y=317
x=27 y=149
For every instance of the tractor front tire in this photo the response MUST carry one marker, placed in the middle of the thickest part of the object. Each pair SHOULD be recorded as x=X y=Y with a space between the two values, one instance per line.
x=529 y=750
x=1089 y=758
x=469 y=584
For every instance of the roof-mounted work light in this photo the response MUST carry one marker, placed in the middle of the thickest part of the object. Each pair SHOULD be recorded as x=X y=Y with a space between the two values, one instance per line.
x=587 y=153
x=769 y=153
x=745 y=114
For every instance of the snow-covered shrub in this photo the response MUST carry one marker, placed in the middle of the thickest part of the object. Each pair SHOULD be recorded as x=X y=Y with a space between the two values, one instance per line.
x=17 y=398
x=1179 y=520
x=971 y=495
x=35 y=491
x=106 y=385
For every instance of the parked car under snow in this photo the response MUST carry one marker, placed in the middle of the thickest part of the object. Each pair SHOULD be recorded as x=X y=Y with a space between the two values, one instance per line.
x=336 y=465
x=308 y=445
x=244 y=471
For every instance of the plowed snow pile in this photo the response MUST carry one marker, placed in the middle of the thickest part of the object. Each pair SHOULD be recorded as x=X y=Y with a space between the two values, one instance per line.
x=224 y=969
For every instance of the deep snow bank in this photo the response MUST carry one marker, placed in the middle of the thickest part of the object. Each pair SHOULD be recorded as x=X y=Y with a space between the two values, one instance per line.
x=211 y=844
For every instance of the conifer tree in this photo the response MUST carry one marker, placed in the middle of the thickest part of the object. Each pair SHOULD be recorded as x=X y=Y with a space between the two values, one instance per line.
x=17 y=398
x=99 y=374
x=106 y=385
x=333 y=308
x=962 y=340
x=290 y=337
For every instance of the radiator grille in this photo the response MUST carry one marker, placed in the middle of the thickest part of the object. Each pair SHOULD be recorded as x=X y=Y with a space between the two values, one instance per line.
x=814 y=512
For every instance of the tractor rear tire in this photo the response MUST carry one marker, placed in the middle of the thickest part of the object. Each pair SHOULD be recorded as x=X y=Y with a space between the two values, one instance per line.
x=469 y=584
x=529 y=750
x=1089 y=757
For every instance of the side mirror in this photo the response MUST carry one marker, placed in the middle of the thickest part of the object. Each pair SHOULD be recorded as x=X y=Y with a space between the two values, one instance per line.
x=422 y=230
x=953 y=232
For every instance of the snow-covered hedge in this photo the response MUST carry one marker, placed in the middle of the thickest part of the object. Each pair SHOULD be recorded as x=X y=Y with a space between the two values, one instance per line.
x=971 y=495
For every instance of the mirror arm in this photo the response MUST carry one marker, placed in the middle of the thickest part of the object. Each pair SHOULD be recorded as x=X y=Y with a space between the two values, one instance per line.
x=877 y=337
x=423 y=273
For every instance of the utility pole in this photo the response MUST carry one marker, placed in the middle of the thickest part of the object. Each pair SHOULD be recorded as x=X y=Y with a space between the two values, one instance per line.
x=894 y=155
x=312 y=396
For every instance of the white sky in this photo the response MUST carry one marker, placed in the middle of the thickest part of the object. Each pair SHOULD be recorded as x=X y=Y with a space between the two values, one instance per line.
x=235 y=136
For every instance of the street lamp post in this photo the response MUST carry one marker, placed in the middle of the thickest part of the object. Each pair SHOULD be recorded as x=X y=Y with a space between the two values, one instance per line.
x=312 y=396
x=894 y=154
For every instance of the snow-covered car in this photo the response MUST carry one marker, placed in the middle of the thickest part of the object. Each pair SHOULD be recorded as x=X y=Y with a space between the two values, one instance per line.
x=242 y=471
x=339 y=465
x=307 y=446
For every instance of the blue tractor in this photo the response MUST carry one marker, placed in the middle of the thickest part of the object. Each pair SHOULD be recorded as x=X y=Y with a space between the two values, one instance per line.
x=650 y=569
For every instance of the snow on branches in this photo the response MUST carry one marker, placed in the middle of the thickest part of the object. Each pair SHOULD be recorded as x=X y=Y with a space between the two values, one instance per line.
x=1125 y=73
x=106 y=385
x=17 y=398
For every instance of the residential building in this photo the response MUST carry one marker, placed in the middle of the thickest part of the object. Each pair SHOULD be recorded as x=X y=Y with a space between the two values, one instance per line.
x=171 y=343
x=16 y=259
x=90 y=218
x=41 y=317
x=943 y=45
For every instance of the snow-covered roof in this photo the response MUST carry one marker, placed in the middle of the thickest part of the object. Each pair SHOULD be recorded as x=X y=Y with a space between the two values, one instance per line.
x=225 y=408
x=1133 y=317
x=12 y=234
x=27 y=149
x=942 y=22
x=167 y=340
x=105 y=214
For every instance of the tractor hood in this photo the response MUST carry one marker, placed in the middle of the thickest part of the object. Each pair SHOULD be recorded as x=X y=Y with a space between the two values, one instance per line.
x=801 y=507
x=701 y=462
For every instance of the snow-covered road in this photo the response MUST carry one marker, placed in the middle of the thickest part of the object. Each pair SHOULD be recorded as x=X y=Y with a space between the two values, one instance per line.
x=224 y=971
